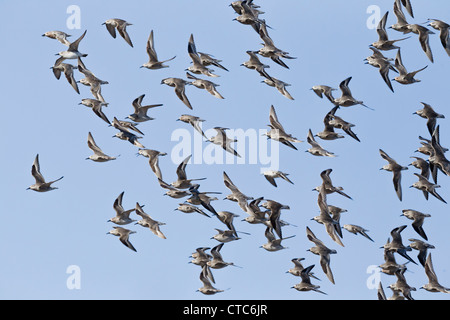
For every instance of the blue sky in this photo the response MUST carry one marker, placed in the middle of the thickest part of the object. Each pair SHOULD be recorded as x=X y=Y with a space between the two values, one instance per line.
x=44 y=234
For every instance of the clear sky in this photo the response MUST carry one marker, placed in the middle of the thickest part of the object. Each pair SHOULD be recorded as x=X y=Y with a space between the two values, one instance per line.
x=45 y=234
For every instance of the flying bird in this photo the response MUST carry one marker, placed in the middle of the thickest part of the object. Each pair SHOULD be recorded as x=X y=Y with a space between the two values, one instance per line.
x=396 y=245
x=271 y=175
x=248 y=14
x=424 y=38
x=421 y=164
x=125 y=134
x=148 y=222
x=279 y=85
x=383 y=42
x=390 y=264
x=327 y=185
x=58 y=35
x=123 y=235
x=236 y=194
x=172 y=191
x=217 y=261
x=357 y=230
x=225 y=236
x=443 y=28
x=71 y=52
x=305 y=284
x=122 y=216
x=121 y=26
x=346 y=99
x=223 y=141
x=255 y=214
x=197 y=67
x=277 y=131
x=129 y=125
x=140 y=111
x=194 y=121
x=91 y=81
x=298 y=268
x=401 y=284
x=437 y=157
x=153 y=160
x=273 y=244
x=67 y=69
x=99 y=155
x=182 y=181
x=255 y=64
x=153 y=62
x=202 y=198
x=207 y=85
x=422 y=247
x=96 y=106
x=207 y=287
x=269 y=50
x=396 y=169
x=402 y=23
x=323 y=251
x=383 y=64
x=189 y=208
x=324 y=91
x=208 y=60
x=425 y=185
x=328 y=133
x=339 y=123
x=180 y=87
x=326 y=219
x=227 y=217
x=40 y=185
x=418 y=220
x=427 y=112
x=274 y=213
x=404 y=76
x=433 y=284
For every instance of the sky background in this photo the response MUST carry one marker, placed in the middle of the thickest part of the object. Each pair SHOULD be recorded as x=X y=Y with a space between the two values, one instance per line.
x=45 y=233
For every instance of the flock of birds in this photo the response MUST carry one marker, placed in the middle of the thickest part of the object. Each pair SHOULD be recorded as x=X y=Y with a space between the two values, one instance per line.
x=260 y=210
